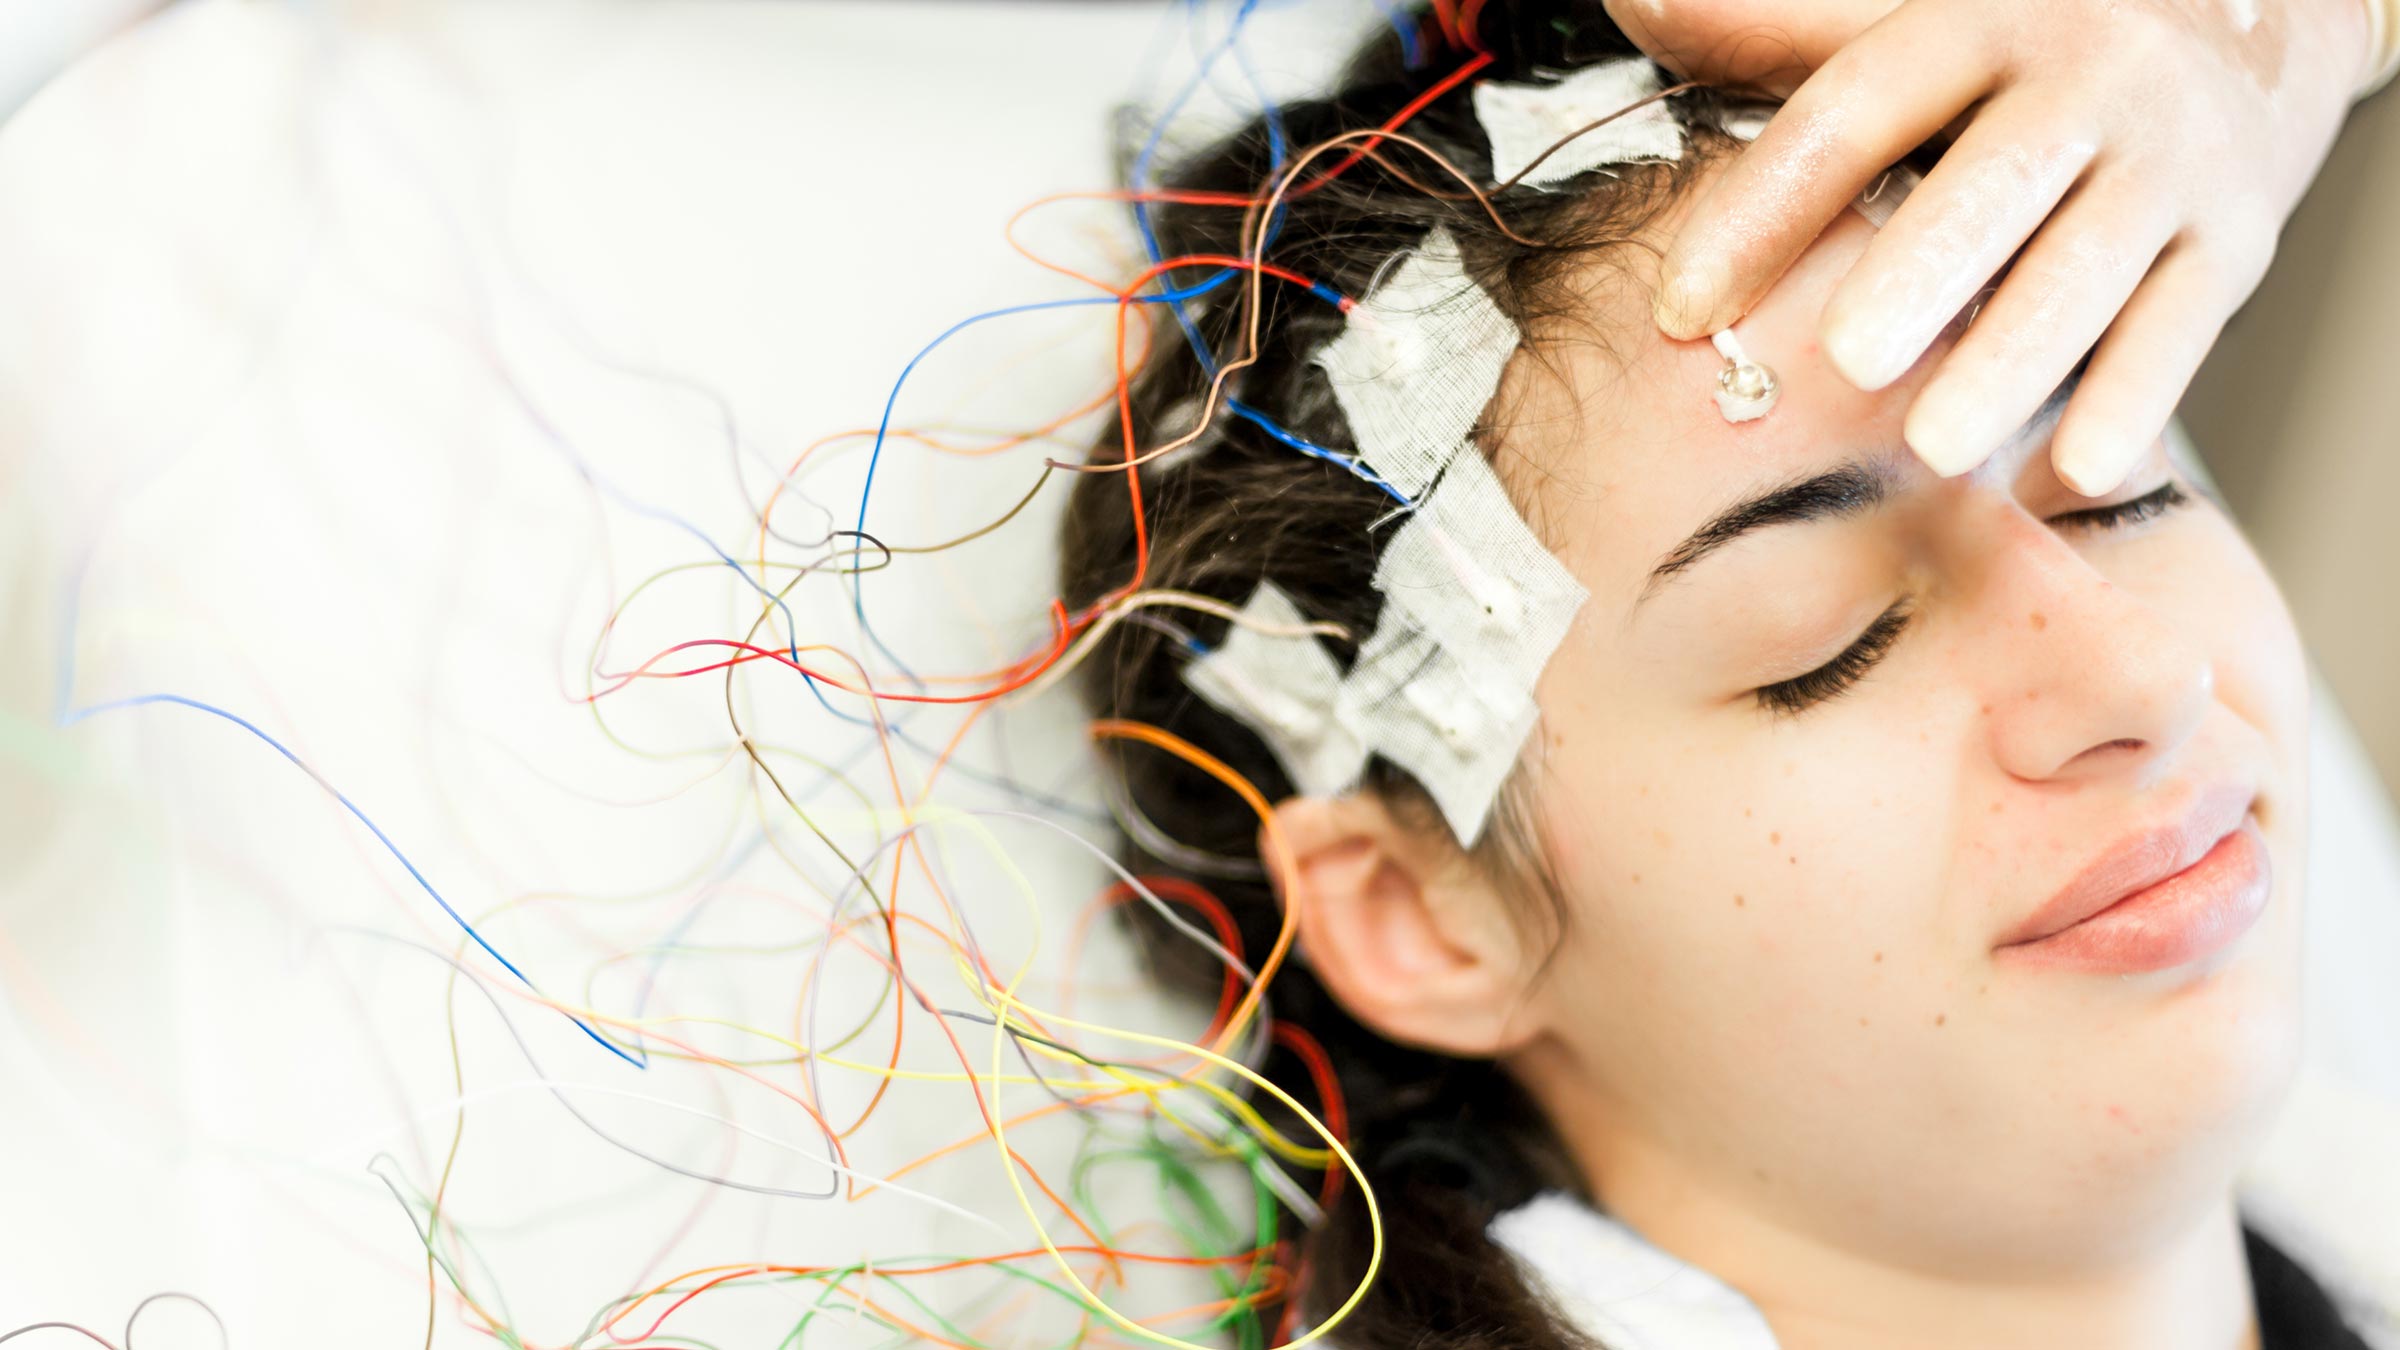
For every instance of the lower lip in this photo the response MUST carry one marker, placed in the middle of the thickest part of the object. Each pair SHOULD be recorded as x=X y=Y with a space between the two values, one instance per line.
x=2195 y=912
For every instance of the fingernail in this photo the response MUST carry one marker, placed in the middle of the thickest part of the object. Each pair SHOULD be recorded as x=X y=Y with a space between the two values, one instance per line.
x=1868 y=352
x=1948 y=429
x=1685 y=303
x=2091 y=462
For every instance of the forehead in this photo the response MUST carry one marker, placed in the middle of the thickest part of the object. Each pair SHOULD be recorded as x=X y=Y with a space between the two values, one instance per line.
x=1613 y=429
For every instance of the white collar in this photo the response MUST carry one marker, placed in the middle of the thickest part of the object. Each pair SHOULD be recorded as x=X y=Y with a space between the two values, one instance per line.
x=1613 y=1285
x=2324 y=1187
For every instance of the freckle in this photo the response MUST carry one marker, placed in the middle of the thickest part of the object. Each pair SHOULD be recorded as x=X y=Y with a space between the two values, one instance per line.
x=1644 y=791
x=1637 y=878
x=1879 y=958
x=1664 y=839
x=1862 y=1021
x=1738 y=902
x=1939 y=1018
x=1995 y=808
x=1875 y=803
x=1759 y=1172
x=1794 y=860
x=1745 y=813
x=1987 y=709
x=1790 y=768
x=1981 y=987
x=1774 y=836
x=1924 y=738
x=2033 y=696
x=2039 y=621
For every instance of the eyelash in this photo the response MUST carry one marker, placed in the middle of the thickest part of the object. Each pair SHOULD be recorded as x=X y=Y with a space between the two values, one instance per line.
x=2149 y=506
x=1802 y=692
x=1835 y=677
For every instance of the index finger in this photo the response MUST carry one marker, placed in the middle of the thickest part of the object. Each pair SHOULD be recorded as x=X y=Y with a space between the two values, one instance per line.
x=1872 y=102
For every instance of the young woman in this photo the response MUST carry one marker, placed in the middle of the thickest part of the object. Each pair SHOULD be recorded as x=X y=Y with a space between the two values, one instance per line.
x=1760 y=1013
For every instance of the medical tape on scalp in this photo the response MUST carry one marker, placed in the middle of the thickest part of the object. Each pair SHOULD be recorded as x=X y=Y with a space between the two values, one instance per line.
x=1416 y=362
x=1473 y=607
x=1470 y=574
x=1284 y=686
x=1523 y=120
x=1473 y=604
x=1453 y=728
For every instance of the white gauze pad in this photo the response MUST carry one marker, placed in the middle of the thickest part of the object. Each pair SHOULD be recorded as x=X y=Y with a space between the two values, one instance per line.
x=1523 y=120
x=1455 y=730
x=1284 y=685
x=1469 y=573
x=1416 y=363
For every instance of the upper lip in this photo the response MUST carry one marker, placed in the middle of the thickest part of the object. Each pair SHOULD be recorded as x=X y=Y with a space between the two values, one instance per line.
x=2141 y=859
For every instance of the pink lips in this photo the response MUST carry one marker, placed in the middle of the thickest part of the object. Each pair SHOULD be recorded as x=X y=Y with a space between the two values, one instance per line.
x=2159 y=898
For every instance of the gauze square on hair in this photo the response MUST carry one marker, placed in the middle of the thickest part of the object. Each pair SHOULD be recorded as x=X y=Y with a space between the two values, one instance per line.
x=1283 y=686
x=1523 y=120
x=1416 y=363
x=1455 y=730
x=1468 y=572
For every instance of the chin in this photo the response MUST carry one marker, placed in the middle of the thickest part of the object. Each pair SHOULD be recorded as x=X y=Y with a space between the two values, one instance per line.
x=2198 y=1070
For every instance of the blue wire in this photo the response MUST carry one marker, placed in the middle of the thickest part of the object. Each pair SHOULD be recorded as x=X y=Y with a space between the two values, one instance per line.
x=1171 y=296
x=280 y=748
x=1142 y=180
x=1410 y=52
x=884 y=425
x=1311 y=448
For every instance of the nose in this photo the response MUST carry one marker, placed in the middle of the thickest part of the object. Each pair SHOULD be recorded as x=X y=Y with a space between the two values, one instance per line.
x=2088 y=679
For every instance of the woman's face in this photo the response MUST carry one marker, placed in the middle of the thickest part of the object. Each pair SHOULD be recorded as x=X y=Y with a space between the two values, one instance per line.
x=1782 y=989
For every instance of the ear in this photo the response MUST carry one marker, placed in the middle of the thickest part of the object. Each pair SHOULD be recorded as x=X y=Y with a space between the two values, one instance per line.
x=1402 y=928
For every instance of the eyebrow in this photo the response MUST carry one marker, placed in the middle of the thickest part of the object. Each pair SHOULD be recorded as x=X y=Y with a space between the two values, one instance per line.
x=1851 y=489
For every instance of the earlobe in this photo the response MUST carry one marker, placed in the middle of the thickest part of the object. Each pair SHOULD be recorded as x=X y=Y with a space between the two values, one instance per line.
x=1401 y=929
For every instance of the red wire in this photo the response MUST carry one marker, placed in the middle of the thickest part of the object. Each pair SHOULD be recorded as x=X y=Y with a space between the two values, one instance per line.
x=1448 y=22
x=1416 y=105
x=1470 y=31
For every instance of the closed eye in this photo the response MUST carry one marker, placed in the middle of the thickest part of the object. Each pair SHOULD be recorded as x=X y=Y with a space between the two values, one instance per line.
x=1801 y=692
x=2150 y=505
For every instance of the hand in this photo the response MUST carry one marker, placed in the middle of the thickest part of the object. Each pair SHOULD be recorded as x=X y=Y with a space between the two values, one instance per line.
x=2137 y=158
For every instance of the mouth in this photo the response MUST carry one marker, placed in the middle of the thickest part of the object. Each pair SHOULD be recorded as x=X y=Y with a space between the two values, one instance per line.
x=2160 y=897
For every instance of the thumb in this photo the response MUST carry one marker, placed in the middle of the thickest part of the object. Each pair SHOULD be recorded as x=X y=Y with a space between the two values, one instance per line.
x=1767 y=46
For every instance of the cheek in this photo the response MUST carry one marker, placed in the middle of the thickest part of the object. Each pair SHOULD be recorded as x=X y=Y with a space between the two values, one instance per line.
x=2263 y=675
x=2209 y=582
x=1740 y=870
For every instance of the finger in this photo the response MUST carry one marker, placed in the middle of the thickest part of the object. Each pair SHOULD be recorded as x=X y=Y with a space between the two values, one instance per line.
x=2062 y=294
x=2144 y=364
x=1959 y=227
x=1724 y=42
x=1872 y=102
